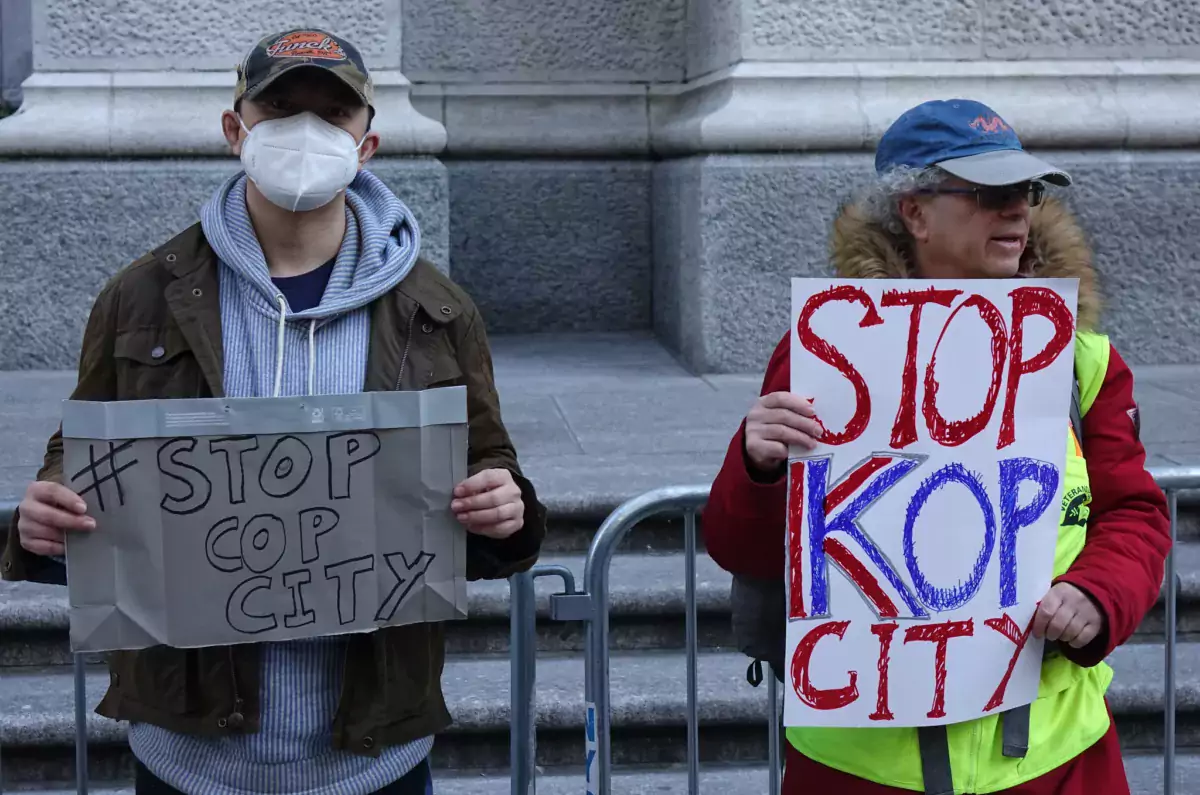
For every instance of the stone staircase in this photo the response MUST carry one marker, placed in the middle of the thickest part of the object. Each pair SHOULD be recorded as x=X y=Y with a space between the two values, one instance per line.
x=647 y=673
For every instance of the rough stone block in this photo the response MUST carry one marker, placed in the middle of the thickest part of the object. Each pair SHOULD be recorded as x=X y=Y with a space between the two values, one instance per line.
x=145 y=34
x=678 y=255
x=731 y=231
x=714 y=35
x=1138 y=210
x=519 y=40
x=1016 y=29
x=553 y=246
x=863 y=29
x=70 y=225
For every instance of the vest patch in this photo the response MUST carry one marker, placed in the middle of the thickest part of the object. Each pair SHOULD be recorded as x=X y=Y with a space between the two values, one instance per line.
x=1076 y=506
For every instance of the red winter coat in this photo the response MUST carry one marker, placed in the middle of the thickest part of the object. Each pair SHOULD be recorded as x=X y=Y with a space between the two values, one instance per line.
x=1128 y=536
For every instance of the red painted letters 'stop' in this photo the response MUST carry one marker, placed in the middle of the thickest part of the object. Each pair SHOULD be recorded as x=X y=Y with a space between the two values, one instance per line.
x=830 y=355
x=951 y=433
x=1028 y=301
x=904 y=430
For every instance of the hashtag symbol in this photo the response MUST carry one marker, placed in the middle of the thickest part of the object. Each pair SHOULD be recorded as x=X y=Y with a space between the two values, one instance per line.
x=114 y=472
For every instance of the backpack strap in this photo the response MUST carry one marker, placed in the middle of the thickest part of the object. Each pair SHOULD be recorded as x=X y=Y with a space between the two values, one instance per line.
x=1076 y=412
x=1015 y=737
x=935 y=760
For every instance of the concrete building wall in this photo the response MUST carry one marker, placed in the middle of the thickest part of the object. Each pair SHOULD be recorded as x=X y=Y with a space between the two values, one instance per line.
x=662 y=164
x=141 y=35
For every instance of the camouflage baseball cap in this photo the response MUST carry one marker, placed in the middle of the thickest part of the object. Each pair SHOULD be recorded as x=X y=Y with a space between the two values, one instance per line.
x=280 y=53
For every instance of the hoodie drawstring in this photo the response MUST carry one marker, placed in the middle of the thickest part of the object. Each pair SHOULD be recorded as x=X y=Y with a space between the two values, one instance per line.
x=312 y=349
x=312 y=355
x=279 y=344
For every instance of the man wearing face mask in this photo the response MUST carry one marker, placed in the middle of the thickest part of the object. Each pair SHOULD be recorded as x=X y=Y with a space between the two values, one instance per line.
x=302 y=277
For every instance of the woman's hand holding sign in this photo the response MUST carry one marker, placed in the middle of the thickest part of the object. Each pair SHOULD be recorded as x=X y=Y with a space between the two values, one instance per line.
x=777 y=420
x=1068 y=615
x=489 y=504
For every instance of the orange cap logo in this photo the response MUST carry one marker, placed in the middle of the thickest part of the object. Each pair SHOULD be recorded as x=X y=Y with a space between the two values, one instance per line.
x=992 y=124
x=306 y=44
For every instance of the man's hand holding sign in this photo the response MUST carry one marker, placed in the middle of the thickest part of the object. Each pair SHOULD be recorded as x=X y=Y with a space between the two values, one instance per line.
x=930 y=477
x=489 y=504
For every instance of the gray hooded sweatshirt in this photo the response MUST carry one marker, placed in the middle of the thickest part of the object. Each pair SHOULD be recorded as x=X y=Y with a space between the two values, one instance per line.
x=269 y=351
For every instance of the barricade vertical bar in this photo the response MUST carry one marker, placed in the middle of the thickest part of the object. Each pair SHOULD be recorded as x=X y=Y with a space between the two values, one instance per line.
x=693 y=727
x=81 y=732
x=1169 y=686
x=595 y=677
x=773 y=734
x=597 y=696
x=523 y=739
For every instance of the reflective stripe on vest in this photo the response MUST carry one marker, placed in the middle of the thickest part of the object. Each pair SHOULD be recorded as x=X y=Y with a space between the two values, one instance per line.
x=1068 y=716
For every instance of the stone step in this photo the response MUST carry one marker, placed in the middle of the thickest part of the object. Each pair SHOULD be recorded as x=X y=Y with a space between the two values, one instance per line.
x=646 y=598
x=1145 y=773
x=649 y=702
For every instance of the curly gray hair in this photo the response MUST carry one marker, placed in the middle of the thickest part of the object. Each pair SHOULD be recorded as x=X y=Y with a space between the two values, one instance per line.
x=879 y=202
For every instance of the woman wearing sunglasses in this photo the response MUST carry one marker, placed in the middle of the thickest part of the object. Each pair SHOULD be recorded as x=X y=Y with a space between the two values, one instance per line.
x=956 y=196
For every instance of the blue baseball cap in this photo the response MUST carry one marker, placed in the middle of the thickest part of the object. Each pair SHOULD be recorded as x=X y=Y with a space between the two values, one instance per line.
x=966 y=138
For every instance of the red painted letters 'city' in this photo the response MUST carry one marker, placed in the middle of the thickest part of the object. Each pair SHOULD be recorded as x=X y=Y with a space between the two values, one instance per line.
x=1009 y=629
x=884 y=632
x=815 y=697
x=941 y=635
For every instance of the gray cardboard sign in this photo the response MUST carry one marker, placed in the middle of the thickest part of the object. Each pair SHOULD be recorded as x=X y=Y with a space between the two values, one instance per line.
x=223 y=521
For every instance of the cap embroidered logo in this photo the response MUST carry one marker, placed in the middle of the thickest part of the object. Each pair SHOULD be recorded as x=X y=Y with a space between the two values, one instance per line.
x=991 y=124
x=306 y=44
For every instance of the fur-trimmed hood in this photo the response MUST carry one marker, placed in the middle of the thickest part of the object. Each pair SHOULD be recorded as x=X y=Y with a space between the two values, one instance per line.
x=1057 y=248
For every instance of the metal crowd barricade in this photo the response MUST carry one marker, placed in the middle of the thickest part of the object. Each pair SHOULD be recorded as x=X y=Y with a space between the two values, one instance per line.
x=591 y=606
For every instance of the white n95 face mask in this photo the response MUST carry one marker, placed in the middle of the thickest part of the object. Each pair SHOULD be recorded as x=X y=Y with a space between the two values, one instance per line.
x=299 y=162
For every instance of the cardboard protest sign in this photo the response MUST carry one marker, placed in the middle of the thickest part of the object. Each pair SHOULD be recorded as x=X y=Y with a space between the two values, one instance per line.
x=921 y=531
x=223 y=521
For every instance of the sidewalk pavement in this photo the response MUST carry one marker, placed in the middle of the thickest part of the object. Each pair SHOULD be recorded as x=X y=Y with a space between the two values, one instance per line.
x=598 y=418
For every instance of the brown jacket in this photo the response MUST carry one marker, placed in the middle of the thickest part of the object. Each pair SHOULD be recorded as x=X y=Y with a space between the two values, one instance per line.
x=155 y=332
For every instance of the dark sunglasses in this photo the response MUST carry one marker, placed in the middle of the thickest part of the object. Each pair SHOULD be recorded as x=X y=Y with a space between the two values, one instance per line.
x=997 y=197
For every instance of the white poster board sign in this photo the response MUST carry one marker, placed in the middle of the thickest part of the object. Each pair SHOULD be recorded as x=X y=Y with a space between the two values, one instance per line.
x=223 y=521
x=921 y=531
